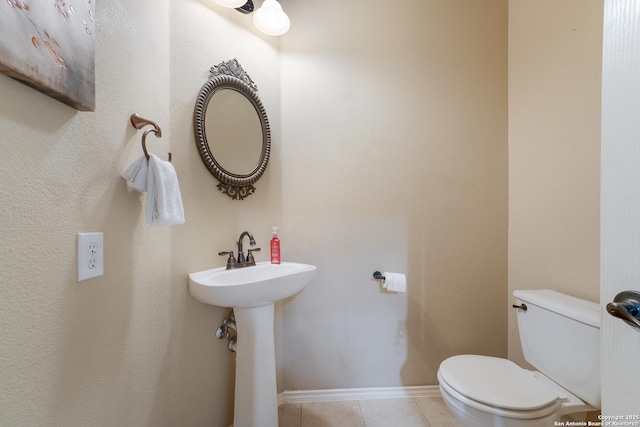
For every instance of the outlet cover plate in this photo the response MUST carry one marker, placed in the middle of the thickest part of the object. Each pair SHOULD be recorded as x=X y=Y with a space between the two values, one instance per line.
x=90 y=255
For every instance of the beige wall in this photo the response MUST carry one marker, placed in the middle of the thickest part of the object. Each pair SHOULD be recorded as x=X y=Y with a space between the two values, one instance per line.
x=389 y=152
x=132 y=347
x=555 y=62
x=395 y=159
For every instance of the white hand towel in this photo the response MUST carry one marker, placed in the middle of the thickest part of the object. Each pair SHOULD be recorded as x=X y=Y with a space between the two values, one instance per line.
x=136 y=174
x=396 y=282
x=164 y=201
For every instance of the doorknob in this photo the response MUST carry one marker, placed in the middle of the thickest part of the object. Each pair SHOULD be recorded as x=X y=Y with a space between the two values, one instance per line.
x=626 y=306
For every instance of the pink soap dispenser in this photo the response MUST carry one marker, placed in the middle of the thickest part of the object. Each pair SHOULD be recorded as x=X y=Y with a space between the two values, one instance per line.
x=275 y=247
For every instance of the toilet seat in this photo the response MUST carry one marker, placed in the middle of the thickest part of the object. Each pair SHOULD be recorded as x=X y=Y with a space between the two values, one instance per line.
x=497 y=386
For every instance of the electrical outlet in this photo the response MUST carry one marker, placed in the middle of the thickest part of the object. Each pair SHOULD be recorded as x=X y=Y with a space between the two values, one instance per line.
x=90 y=255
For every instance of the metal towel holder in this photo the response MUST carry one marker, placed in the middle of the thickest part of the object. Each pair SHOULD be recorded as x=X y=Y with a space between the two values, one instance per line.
x=140 y=122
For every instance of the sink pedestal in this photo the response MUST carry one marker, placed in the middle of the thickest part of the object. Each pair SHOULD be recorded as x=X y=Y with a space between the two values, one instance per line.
x=252 y=292
x=256 y=394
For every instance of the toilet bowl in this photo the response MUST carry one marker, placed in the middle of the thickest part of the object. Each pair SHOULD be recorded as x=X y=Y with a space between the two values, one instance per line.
x=484 y=391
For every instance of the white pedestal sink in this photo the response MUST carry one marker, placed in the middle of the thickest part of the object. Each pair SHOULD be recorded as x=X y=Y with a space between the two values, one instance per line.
x=252 y=293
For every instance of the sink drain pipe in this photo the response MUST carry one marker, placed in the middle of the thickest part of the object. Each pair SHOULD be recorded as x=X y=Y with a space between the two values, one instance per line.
x=228 y=331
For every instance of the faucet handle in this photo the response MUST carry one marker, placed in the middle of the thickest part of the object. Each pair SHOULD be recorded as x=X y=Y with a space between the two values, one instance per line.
x=250 y=254
x=231 y=261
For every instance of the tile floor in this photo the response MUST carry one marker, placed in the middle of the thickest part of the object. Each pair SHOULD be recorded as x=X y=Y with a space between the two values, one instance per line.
x=400 y=412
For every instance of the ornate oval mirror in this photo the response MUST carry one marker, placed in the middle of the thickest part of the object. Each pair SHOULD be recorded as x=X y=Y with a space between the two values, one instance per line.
x=232 y=130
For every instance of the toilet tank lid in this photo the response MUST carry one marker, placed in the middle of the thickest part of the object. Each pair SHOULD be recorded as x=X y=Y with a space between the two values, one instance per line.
x=566 y=305
x=496 y=382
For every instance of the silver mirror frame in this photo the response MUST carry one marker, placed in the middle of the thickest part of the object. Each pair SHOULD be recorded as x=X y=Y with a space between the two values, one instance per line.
x=230 y=75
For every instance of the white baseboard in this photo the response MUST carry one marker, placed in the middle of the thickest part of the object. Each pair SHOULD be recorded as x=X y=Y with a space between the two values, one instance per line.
x=305 y=396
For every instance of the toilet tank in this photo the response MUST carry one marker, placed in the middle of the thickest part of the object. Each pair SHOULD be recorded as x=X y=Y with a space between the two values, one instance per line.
x=560 y=337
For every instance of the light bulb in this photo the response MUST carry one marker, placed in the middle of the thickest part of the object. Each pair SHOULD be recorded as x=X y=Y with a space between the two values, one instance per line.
x=231 y=3
x=270 y=19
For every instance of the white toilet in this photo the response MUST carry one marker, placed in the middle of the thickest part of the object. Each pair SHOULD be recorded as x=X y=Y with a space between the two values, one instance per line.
x=560 y=337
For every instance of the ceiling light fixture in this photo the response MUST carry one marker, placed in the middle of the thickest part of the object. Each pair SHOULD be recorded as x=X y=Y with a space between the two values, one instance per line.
x=271 y=19
x=231 y=3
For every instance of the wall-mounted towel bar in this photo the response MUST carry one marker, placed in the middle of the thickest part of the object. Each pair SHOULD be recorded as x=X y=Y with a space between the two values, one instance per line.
x=140 y=122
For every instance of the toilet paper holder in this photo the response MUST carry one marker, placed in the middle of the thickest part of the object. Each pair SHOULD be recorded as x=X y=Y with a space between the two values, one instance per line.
x=378 y=276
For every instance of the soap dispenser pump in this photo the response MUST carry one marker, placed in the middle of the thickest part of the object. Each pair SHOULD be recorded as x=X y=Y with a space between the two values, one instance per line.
x=275 y=247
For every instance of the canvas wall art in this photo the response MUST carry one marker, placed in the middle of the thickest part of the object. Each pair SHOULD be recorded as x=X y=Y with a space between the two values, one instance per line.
x=50 y=45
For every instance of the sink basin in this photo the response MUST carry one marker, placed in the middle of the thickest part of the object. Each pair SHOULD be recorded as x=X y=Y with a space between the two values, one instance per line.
x=255 y=286
x=252 y=293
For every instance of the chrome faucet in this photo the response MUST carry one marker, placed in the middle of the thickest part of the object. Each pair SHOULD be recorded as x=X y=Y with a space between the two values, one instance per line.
x=232 y=262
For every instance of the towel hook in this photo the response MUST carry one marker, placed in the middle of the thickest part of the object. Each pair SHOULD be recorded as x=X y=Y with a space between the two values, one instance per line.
x=140 y=122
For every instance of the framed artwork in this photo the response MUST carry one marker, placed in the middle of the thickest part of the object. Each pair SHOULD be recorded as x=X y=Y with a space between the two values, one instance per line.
x=50 y=46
